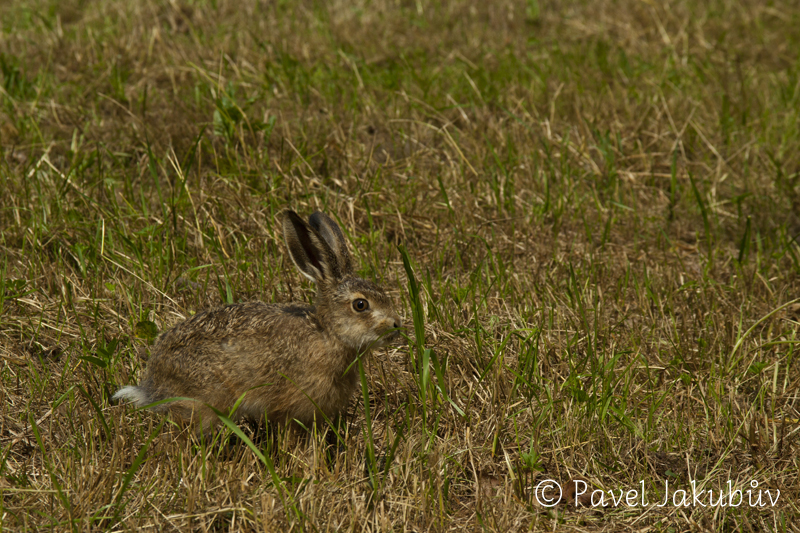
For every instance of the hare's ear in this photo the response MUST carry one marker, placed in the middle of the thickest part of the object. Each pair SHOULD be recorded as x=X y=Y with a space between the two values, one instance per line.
x=309 y=250
x=330 y=231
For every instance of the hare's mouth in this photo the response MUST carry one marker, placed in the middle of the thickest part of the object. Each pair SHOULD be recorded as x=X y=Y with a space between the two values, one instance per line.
x=391 y=337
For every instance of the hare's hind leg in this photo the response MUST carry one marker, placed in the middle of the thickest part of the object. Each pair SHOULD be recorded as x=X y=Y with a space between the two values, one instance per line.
x=197 y=415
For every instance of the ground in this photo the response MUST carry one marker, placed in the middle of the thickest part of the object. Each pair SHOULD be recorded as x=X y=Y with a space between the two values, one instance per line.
x=587 y=212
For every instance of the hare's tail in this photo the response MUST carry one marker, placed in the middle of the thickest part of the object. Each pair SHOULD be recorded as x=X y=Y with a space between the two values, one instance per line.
x=135 y=395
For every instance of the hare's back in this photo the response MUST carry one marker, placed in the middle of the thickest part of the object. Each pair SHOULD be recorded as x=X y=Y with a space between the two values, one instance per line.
x=252 y=323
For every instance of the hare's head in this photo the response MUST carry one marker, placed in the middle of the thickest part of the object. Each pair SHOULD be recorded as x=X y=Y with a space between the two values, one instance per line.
x=357 y=311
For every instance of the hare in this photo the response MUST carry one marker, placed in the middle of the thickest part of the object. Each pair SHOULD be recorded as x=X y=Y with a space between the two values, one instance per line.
x=290 y=361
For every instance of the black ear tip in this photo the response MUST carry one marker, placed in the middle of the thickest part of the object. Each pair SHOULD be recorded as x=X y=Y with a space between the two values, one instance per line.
x=290 y=216
x=316 y=218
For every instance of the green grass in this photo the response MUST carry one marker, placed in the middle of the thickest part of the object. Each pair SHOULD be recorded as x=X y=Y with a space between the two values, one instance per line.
x=587 y=214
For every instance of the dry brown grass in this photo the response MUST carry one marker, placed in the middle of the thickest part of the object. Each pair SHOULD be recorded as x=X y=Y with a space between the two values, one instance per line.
x=601 y=203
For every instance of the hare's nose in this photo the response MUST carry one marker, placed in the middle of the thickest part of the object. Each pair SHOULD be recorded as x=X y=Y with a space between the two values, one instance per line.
x=398 y=323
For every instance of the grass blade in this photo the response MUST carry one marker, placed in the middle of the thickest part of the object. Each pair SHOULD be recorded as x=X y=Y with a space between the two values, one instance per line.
x=50 y=472
x=137 y=462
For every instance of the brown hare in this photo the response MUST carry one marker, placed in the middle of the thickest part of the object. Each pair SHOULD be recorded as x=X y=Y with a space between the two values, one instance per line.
x=291 y=361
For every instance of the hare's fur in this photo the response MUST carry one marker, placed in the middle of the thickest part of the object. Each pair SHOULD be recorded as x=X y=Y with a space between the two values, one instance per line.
x=290 y=361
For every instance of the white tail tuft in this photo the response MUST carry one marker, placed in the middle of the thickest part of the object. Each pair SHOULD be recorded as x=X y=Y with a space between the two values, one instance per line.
x=133 y=394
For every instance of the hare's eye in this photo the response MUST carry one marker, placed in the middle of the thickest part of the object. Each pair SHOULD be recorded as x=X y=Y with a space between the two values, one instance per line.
x=360 y=305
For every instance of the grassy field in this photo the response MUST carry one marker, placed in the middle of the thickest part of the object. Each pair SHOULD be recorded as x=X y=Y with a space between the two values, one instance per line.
x=599 y=207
